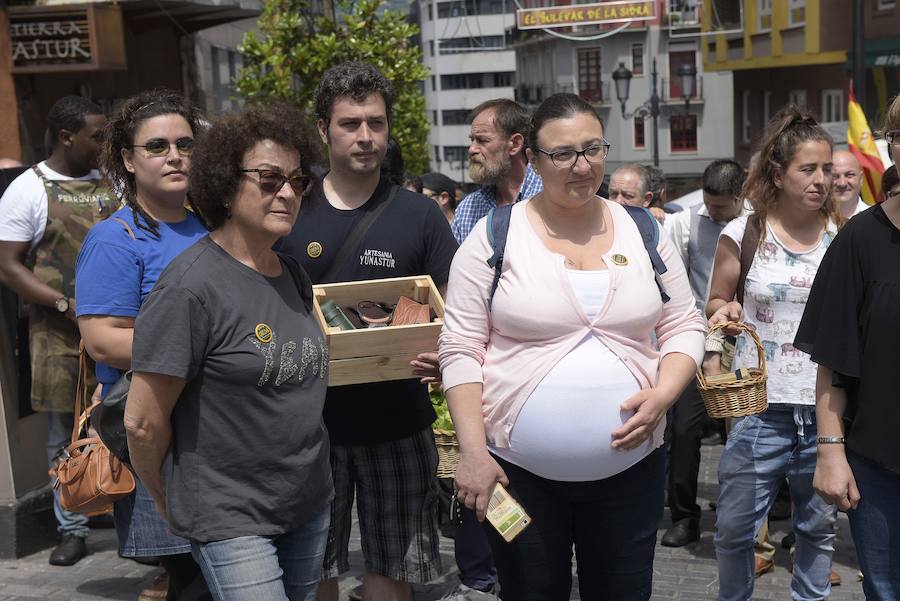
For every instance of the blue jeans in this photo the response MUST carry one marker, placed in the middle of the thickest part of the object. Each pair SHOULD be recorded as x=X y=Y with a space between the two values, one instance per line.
x=287 y=567
x=473 y=554
x=875 y=525
x=59 y=436
x=761 y=451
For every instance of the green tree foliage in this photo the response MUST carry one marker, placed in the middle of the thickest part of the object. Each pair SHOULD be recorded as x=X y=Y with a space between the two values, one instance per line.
x=296 y=47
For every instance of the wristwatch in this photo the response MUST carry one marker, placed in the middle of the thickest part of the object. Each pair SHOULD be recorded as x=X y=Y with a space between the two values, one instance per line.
x=62 y=304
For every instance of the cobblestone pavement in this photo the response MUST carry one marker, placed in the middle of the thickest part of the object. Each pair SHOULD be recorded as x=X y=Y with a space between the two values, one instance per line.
x=688 y=573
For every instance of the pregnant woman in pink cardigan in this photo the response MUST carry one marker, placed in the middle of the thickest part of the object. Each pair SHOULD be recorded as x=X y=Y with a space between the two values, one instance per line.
x=559 y=389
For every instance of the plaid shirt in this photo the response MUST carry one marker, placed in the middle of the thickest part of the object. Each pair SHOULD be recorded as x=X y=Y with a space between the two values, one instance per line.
x=477 y=204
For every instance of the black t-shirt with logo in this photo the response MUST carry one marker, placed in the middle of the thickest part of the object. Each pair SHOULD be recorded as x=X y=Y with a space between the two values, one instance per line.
x=411 y=237
x=249 y=452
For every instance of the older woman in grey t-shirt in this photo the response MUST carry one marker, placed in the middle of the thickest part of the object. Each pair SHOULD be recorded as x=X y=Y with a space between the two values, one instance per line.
x=224 y=417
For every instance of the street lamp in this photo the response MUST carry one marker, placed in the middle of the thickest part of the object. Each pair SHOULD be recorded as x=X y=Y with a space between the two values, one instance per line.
x=687 y=74
x=650 y=108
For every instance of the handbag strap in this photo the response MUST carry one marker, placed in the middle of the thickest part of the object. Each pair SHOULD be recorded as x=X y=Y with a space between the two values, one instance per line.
x=351 y=242
x=749 y=244
x=82 y=410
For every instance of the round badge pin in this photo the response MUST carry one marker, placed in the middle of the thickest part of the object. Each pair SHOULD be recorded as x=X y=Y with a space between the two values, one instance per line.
x=263 y=333
x=314 y=250
x=620 y=260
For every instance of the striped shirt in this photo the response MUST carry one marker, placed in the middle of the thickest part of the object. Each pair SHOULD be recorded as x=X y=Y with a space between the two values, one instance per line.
x=477 y=204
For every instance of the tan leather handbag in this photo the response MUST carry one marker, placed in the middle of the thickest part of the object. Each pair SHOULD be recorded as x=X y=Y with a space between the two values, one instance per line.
x=89 y=478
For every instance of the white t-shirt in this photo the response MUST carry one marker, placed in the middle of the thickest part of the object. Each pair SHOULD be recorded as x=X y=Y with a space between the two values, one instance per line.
x=775 y=296
x=563 y=430
x=24 y=205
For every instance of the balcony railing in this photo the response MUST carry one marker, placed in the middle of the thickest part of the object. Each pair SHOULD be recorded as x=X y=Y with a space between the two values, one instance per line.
x=534 y=94
x=670 y=91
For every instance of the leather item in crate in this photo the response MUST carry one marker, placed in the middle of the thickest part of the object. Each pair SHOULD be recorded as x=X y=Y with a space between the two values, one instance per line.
x=409 y=312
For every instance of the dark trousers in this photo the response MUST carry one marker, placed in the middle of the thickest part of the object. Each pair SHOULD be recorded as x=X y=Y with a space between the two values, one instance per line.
x=612 y=524
x=686 y=429
x=473 y=554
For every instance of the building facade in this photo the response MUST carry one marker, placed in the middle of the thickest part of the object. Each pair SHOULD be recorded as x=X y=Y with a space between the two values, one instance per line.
x=797 y=51
x=689 y=138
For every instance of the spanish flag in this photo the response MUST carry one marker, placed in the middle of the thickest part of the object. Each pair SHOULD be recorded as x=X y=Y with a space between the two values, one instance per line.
x=862 y=145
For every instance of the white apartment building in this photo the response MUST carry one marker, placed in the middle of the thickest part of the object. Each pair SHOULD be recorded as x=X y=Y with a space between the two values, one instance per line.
x=464 y=47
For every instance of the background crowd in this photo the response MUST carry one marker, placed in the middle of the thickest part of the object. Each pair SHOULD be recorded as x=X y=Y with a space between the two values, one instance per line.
x=183 y=253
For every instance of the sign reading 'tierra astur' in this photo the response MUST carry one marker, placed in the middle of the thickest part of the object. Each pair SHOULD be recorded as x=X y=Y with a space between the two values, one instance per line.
x=84 y=37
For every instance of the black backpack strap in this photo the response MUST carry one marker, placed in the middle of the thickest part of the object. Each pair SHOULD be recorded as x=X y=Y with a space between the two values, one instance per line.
x=497 y=228
x=648 y=226
x=351 y=242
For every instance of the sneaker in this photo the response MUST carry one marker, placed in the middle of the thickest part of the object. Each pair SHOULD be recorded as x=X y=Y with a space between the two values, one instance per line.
x=465 y=593
x=69 y=551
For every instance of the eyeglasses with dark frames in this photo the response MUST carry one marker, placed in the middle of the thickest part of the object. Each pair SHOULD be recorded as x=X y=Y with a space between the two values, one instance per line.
x=271 y=181
x=892 y=137
x=157 y=147
x=567 y=158
x=891 y=194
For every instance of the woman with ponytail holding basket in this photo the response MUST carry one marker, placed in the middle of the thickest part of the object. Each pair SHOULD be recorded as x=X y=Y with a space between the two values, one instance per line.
x=793 y=222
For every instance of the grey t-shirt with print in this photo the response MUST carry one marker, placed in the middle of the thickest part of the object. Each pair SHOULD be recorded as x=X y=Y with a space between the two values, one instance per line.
x=249 y=453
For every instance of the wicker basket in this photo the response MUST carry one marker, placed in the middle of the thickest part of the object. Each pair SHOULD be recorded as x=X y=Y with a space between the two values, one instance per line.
x=741 y=397
x=448 y=453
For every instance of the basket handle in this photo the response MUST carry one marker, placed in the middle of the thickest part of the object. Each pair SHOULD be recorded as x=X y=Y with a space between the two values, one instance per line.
x=740 y=325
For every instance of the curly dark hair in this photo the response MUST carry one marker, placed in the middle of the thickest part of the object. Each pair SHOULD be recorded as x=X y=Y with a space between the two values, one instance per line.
x=119 y=134
x=219 y=155
x=353 y=79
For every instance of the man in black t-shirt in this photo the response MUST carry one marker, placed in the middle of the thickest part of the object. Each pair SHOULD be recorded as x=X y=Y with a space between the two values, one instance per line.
x=382 y=446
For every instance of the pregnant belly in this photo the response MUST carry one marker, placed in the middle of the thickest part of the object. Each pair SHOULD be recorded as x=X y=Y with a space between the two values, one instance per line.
x=564 y=430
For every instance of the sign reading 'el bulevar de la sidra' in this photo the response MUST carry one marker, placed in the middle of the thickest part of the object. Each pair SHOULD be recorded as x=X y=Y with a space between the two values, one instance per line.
x=585 y=14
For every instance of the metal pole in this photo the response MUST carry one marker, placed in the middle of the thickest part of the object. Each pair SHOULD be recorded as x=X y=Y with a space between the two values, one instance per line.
x=654 y=112
x=859 y=63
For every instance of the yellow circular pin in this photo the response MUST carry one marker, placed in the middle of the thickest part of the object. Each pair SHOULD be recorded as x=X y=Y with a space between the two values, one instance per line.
x=263 y=333
x=620 y=260
x=314 y=250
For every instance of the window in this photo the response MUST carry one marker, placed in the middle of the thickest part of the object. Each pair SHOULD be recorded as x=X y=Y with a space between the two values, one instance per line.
x=455 y=117
x=590 y=86
x=472 y=81
x=456 y=153
x=434 y=118
x=430 y=47
x=683 y=132
x=797 y=97
x=463 y=8
x=433 y=84
x=745 y=117
x=637 y=59
x=430 y=12
x=224 y=64
x=764 y=15
x=474 y=44
x=683 y=12
x=767 y=107
x=437 y=153
x=676 y=59
x=832 y=105
x=796 y=12
x=640 y=140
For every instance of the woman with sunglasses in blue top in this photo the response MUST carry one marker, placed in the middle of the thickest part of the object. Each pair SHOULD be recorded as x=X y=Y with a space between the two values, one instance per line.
x=147 y=155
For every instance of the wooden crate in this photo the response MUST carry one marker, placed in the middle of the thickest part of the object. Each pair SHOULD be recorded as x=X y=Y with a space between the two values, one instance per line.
x=378 y=354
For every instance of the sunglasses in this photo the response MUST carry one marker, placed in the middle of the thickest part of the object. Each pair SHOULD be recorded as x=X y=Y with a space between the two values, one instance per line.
x=158 y=147
x=271 y=181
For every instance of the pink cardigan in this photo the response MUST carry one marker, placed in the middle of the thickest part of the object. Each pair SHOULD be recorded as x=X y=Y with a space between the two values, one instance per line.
x=536 y=319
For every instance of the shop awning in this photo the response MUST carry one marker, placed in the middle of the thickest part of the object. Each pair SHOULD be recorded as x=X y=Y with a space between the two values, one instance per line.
x=186 y=15
x=879 y=52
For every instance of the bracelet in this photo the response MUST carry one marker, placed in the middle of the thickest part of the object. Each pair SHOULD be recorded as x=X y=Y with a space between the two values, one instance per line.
x=830 y=440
